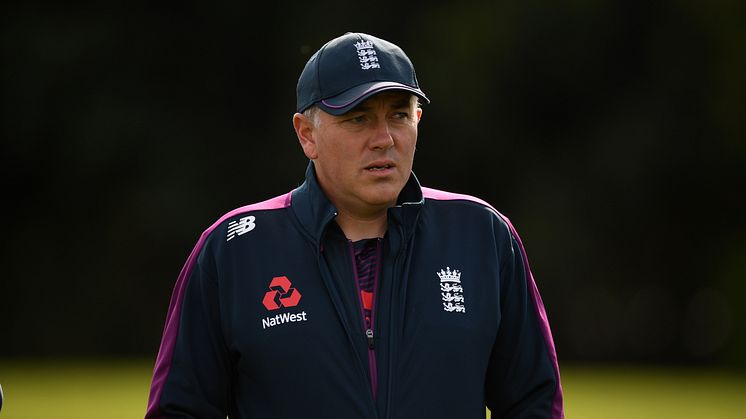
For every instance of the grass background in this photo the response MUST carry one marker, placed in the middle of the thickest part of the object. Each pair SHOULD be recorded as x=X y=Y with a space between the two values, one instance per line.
x=116 y=389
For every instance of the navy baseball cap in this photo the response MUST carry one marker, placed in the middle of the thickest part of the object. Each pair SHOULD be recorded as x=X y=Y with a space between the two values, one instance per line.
x=349 y=69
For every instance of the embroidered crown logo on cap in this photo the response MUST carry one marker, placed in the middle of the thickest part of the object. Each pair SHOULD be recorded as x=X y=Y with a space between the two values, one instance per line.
x=351 y=68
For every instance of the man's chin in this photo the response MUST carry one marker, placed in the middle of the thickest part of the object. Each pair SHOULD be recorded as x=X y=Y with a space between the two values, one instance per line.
x=382 y=199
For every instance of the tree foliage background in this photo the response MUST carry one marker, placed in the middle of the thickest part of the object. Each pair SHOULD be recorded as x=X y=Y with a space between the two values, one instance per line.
x=612 y=134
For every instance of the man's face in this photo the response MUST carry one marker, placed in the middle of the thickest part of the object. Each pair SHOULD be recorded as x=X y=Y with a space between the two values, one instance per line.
x=364 y=157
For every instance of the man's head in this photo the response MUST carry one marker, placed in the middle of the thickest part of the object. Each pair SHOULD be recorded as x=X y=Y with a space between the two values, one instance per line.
x=358 y=110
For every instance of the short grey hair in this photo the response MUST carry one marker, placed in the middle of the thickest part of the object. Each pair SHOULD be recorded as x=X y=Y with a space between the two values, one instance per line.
x=312 y=114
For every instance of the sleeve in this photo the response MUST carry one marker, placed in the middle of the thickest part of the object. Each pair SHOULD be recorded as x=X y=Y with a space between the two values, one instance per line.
x=191 y=378
x=523 y=378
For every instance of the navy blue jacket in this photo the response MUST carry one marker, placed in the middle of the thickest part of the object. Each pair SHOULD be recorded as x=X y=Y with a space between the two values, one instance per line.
x=265 y=319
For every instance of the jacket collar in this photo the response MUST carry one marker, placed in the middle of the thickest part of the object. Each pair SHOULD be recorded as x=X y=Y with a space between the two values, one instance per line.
x=315 y=211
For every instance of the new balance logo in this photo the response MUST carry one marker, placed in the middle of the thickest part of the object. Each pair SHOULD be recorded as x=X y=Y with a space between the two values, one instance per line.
x=242 y=226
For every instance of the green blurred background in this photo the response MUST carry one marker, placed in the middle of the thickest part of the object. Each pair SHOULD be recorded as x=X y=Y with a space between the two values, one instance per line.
x=612 y=133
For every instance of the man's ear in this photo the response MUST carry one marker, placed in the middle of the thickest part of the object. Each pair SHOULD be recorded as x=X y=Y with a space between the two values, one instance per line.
x=419 y=114
x=305 y=130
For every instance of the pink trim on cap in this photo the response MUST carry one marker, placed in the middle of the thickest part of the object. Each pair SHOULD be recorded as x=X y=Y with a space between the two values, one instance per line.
x=557 y=404
x=372 y=89
x=171 y=329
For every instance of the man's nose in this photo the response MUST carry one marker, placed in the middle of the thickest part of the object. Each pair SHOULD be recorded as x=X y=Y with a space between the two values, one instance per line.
x=383 y=136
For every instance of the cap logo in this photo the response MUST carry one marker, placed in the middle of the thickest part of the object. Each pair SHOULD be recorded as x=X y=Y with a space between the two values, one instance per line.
x=367 y=55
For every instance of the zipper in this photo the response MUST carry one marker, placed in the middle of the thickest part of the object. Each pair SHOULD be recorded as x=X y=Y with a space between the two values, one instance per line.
x=369 y=332
x=396 y=273
x=369 y=335
x=369 y=328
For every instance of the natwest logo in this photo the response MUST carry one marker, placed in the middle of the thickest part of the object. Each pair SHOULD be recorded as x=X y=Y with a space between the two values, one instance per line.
x=281 y=294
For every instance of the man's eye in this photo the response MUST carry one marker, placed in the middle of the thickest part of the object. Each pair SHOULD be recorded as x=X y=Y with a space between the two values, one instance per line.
x=357 y=119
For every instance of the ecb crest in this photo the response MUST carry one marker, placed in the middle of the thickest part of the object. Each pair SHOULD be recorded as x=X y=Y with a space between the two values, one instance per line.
x=451 y=290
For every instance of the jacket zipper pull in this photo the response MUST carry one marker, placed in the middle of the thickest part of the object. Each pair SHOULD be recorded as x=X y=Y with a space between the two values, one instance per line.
x=369 y=334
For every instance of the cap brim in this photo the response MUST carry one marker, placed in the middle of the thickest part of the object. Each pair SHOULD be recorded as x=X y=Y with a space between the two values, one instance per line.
x=346 y=101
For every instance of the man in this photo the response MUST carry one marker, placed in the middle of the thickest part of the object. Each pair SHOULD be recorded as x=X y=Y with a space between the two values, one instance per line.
x=359 y=294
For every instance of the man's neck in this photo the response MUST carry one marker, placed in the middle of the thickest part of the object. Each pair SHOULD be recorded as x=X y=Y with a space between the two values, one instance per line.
x=358 y=228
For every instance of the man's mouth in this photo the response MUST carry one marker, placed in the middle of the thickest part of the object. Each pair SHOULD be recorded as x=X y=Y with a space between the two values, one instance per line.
x=375 y=168
x=378 y=166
